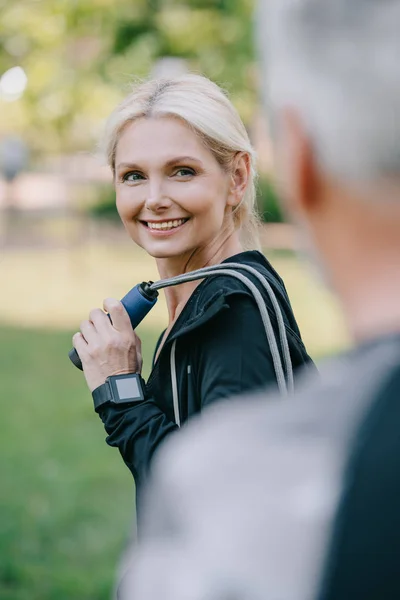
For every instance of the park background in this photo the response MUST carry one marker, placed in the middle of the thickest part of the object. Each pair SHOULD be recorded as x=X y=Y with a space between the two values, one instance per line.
x=66 y=499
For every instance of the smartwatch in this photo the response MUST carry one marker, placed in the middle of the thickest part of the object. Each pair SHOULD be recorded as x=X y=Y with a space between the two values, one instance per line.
x=119 y=389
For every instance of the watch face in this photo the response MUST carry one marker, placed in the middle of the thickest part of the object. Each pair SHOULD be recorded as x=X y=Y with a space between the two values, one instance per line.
x=128 y=388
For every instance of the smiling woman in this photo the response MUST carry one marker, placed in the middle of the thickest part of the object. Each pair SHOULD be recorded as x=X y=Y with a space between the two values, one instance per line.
x=175 y=199
x=183 y=170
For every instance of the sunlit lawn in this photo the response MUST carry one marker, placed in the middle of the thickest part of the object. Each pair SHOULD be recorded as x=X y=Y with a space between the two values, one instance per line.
x=66 y=499
x=57 y=289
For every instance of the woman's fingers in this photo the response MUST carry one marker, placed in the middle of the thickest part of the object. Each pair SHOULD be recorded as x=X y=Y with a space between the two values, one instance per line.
x=101 y=321
x=88 y=331
x=79 y=342
x=107 y=348
x=80 y=345
x=119 y=317
x=108 y=333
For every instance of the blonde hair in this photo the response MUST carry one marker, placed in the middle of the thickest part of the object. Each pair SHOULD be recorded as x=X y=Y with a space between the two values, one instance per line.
x=206 y=109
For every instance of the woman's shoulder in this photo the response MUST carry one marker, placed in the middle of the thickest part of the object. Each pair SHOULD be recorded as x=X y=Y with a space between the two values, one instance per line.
x=247 y=266
x=225 y=289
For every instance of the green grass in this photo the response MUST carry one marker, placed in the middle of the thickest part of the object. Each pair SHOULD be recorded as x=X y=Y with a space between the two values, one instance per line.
x=66 y=499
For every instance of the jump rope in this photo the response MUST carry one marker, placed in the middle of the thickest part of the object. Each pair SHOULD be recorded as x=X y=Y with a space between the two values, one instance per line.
x=141 y=299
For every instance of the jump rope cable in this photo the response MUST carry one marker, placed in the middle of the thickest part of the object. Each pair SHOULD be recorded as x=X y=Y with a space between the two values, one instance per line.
x=285 y=382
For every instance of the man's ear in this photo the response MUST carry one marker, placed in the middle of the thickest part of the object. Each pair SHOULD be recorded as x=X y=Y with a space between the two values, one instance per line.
x=297 y=171
x=241 y=173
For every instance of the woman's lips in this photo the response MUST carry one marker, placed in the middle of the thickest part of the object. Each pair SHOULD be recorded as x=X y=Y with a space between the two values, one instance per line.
x=164 y=228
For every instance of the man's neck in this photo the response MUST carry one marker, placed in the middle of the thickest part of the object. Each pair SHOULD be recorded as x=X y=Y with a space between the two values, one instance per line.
x=357 y=232
x=372 y=308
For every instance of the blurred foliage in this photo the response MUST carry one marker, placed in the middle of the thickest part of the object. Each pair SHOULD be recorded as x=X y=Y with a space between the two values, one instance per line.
x=80 y=56
x=269 y=206
x=105 y=207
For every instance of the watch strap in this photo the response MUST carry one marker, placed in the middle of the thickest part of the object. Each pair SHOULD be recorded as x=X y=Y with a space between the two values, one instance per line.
x=108 y=392
x=101 y=395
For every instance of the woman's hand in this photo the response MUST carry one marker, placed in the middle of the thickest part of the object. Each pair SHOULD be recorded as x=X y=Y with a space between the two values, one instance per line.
x=107 y=349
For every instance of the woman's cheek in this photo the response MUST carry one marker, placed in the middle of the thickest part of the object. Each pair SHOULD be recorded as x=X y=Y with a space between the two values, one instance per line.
x=119 y=203
x=126 y=205
x=133 y=229
x=196 y=200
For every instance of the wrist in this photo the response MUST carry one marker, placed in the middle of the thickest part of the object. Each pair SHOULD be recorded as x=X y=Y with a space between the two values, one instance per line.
x=124 y=389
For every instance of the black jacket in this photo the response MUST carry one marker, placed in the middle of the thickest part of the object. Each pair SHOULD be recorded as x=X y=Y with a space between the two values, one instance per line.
x=221 y=350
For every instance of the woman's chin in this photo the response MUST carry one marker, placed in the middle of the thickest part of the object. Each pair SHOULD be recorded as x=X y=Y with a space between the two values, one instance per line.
x=163 y=251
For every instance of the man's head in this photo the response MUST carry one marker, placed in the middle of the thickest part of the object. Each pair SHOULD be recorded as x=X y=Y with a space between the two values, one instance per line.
x=332 y=86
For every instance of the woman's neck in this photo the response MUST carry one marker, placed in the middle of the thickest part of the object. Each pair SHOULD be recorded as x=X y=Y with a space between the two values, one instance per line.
x=177 y=296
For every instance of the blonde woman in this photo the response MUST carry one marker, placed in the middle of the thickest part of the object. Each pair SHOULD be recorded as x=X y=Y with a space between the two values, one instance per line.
x=183 y=170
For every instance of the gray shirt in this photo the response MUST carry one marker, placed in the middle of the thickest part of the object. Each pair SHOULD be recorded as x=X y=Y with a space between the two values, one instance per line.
x=250 y=501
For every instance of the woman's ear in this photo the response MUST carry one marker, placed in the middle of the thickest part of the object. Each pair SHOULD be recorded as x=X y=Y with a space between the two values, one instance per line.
x=241 y=172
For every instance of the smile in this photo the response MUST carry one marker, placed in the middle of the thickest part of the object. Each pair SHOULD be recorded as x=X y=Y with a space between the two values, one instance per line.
x=164 y=225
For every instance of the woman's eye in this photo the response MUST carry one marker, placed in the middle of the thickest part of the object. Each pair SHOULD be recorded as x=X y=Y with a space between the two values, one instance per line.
x=132 y=176
x=184 y=172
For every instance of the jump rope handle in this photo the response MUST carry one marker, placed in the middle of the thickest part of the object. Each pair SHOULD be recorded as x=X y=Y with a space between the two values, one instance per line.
x=137 y=302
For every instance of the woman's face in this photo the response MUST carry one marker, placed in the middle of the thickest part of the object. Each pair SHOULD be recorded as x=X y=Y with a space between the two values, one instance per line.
x=172 y=195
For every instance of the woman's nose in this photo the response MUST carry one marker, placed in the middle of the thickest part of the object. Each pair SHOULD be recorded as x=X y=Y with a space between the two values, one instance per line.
x=156 y=199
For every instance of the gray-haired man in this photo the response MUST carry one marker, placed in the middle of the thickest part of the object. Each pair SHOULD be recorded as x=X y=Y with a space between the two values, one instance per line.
x=300 y=500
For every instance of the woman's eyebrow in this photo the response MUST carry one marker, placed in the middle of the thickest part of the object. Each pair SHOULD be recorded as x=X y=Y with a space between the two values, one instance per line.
x=172 y=161
x=127 y=165
x=182 y=159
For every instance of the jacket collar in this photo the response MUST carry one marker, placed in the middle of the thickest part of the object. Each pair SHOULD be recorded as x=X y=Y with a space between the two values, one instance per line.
x=217 y=302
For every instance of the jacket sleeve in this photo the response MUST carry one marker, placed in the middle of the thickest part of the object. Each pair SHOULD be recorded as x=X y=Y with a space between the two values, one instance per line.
x=137 y=432
x=233 y=352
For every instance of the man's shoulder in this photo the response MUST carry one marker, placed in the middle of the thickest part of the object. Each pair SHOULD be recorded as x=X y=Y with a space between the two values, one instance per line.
x=255 y=486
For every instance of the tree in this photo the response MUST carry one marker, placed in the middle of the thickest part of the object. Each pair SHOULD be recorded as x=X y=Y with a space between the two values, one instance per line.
x=80 y=56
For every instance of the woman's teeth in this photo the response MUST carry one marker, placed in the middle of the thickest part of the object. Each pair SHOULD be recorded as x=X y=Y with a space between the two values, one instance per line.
x=164 y=225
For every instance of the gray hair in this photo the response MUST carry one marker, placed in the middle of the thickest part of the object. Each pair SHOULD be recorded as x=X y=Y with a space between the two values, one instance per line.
x=337 y=63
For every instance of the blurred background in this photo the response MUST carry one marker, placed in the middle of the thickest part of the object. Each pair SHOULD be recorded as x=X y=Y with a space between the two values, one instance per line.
x=66 y=500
